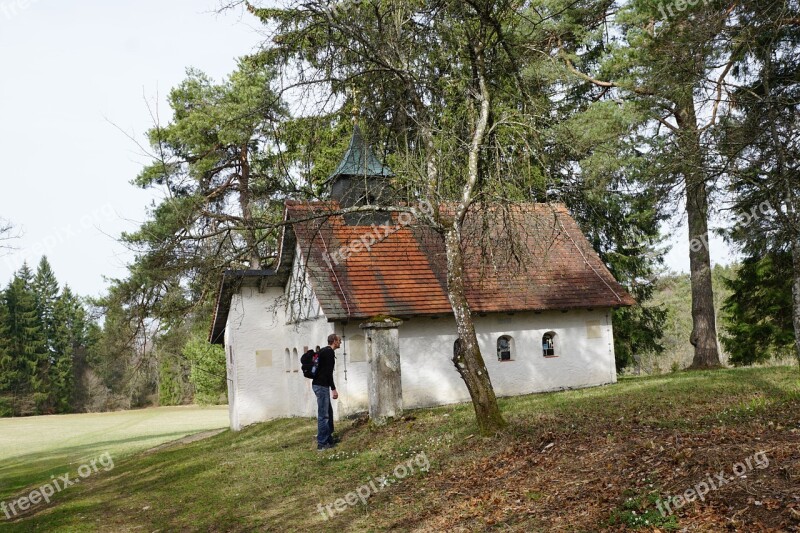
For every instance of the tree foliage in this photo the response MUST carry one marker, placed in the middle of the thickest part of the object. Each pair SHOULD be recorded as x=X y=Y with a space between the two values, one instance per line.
x=217 y=164
x=761 y=146
x=44 y=336
x=207 y=370
x=758 y=315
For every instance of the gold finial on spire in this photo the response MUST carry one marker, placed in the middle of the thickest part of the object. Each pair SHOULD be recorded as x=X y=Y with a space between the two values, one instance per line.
x=356 y=111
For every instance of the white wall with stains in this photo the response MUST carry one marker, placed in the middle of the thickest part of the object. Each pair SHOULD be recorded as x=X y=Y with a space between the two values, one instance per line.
x=265 y=381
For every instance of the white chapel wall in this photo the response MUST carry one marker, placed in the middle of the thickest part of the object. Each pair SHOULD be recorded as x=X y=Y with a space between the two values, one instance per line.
x=584 y=356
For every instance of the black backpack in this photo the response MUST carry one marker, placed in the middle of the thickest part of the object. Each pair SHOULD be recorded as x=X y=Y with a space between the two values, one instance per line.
x=309 y=364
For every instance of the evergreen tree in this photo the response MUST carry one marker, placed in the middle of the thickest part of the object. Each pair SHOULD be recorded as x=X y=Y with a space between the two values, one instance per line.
x=758 y=315
x=8 y=373
x=120 y=348
x=45 y=289
x=761 y=147
x=674 y=68
x=27 y=342
x=218 y=162
x=45 y=338
x=69 y=340
x=174 y=387
x=208 y=370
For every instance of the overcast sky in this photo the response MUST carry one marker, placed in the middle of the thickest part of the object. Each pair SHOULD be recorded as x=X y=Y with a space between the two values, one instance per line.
x=72 y=74
x=69 y=70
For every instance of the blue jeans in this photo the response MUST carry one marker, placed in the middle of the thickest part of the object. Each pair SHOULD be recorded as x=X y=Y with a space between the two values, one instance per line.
x=324 y=415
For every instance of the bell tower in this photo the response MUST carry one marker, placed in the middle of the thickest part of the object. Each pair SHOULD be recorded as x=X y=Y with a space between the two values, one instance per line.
x=360 y=179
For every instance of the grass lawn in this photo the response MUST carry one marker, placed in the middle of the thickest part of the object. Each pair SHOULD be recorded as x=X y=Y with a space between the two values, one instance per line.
x=584 y=460
x=34 y=448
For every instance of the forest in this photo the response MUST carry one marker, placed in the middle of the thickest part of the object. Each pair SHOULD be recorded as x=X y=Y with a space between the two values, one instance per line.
x=635 y=114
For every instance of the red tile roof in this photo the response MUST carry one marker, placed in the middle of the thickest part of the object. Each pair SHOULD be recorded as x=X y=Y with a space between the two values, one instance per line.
x=526 y=257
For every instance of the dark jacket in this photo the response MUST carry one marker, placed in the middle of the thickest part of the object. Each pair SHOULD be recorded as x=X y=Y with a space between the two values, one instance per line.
x=327 y=360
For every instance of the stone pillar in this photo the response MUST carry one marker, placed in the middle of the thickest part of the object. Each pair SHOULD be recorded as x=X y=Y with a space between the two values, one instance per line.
x=383 y=355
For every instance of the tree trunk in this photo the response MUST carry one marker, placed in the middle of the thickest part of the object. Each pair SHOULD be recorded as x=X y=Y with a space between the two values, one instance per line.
x=796 y=295
x=467 y=354
x=704 y=326
x=247 y=212
x=704 y=329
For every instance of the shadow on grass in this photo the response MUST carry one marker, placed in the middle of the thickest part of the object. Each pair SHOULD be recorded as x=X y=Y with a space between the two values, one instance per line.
x=213 y=480
x=268 y=476
x=30 y=470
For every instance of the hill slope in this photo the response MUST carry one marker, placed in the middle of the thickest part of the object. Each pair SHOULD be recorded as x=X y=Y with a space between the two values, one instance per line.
x=583 y=460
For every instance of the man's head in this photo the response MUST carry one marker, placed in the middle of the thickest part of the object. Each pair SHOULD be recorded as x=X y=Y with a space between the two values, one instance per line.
x=334 y=341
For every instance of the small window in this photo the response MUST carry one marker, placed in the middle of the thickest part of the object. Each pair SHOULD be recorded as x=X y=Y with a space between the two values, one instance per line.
x=505 y=348
x=549 y=344
x=287 y=361
x=295 y=360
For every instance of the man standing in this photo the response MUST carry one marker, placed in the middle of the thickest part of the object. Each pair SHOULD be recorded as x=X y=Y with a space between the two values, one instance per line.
x=324 y=390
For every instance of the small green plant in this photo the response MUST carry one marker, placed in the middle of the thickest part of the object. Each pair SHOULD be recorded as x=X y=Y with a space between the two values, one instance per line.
x=534 y=495
x=640 y=512
x=676 y=367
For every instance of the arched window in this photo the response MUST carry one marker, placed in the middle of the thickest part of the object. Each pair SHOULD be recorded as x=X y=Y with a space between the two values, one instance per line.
x=295 y=360
x=287 y=361
x=505 y=348
x=549 y=344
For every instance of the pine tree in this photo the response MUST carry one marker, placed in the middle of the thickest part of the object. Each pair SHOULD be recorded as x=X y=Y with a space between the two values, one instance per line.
x=45 y=289
x=758 y=315
x=69 y=341
x=208 y=370
x=8 y=374
x=762 y=149
x=27 y=343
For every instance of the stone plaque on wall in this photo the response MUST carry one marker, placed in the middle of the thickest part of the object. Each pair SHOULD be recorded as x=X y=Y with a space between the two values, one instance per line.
x=594 y=329
x=357 y=349
x=263 y=358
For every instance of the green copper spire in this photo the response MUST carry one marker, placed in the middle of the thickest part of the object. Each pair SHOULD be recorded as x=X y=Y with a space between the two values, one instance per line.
x=359 y=160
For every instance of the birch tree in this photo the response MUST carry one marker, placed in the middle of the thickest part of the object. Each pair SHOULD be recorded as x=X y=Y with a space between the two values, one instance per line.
x=445 y=77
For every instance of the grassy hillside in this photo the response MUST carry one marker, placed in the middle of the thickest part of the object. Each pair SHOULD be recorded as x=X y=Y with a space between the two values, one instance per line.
x=34 y=448
x=586 y=460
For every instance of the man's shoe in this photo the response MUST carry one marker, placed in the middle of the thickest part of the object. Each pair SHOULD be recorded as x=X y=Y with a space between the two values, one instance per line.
x=324 y=447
